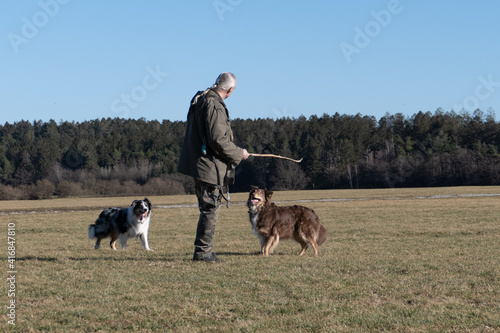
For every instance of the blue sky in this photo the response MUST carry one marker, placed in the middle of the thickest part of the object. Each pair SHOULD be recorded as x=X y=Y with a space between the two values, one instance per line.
x=76 y=60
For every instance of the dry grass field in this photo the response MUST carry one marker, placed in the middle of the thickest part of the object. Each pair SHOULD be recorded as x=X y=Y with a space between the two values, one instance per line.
x=399 y=260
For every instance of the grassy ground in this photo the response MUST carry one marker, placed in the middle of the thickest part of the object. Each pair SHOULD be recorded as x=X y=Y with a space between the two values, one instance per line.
x=409 y=260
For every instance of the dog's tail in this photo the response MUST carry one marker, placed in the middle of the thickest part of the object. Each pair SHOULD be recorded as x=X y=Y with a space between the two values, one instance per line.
x=322 y=236
x=92 y=231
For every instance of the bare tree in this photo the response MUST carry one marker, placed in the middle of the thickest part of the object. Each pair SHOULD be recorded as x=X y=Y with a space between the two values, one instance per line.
x=289 y=176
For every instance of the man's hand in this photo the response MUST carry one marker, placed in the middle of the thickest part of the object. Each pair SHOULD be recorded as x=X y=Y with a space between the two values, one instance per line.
x=245 y=154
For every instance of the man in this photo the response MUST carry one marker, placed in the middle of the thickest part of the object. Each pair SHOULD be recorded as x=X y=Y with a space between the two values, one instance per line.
x=210 y=156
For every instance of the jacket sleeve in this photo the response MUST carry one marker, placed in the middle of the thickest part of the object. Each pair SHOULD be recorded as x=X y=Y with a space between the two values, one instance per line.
x=219 y=135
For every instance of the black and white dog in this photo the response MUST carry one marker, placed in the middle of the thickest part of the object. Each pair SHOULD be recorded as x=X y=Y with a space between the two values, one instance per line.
x=122 y=224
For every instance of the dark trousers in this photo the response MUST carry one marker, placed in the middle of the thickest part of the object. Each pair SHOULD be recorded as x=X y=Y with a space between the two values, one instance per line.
x=209 y=200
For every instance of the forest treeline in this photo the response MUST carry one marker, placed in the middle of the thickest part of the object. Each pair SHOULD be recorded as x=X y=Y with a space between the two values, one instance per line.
x=137 y=157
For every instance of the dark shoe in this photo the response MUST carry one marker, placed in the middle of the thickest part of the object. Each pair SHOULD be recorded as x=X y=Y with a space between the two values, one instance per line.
x=210 y=259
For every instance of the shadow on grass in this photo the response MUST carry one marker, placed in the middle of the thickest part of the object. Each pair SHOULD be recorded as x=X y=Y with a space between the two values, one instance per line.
x=222 y=255
x=119 y=259
x=256 y=254
x=27 y=258
x=237 y=254
x=188 y=257
x=53 y=259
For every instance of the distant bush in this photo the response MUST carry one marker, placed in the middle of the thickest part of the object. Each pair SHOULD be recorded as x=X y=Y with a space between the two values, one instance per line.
x=131 y=188
x=8 y=192
x=43 y=189
x=163 y=186
x=67 y=189
x=107 y=188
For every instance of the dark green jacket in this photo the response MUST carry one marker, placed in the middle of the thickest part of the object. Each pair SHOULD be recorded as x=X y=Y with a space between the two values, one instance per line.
x=208 y=124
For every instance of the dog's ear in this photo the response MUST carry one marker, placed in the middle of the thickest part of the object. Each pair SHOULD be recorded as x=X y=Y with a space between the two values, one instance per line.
x=254 y=188
x=147 y=202
x=134 y=202
x=269 y=194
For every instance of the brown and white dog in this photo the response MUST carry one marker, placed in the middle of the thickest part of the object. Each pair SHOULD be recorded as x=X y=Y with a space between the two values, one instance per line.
x=122 y=224
x=270 y=223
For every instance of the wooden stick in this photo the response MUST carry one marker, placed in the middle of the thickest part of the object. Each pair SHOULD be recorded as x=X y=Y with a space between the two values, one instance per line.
x=276 y=156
